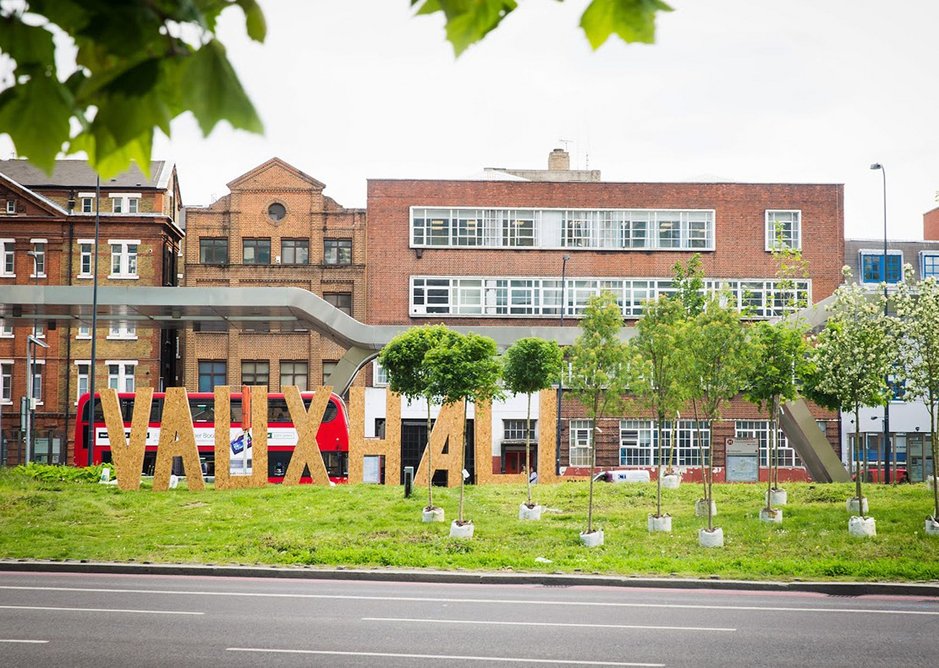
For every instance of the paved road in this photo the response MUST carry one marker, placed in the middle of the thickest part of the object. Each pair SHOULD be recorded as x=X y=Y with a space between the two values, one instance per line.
x=69 y=619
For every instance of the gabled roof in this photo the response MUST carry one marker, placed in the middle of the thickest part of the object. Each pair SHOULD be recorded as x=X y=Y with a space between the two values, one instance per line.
x=79 y=174
x=36 y=198
x=274 y=162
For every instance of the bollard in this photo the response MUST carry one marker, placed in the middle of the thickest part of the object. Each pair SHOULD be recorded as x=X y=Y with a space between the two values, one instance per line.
x=408 y=480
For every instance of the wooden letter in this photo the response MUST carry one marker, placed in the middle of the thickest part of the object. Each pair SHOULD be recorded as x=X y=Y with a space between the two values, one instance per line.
x=449 y=425
x=127 y=459
x=482 y=449
x=359 y=446
x=258 y=406
x=307 y=453
x=177 y=439
x=547 y=433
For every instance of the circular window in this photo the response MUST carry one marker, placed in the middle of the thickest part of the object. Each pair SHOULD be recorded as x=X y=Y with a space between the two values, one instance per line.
x=276 y=212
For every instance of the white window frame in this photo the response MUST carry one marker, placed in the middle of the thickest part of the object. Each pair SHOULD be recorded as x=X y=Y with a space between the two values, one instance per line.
x=122 y=375
x=580 y=443
x=122 y=203
x=794 y=241
x=6 y=382
x=6 y=329
x=877 y=253
x=38 y=366
x=84 y=332
x=760 y=429
x=379 y=375
x=639 y=443
x=122 y=330
x=126 y=259
x=39 y=250
x=82 y=371
x=39 y=330
x=7 y=258
x=11 y=206
x=89 y=199
x=90 y=255
x=932 y=255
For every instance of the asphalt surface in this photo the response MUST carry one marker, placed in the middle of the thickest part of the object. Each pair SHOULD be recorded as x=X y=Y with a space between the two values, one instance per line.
x=105 y=619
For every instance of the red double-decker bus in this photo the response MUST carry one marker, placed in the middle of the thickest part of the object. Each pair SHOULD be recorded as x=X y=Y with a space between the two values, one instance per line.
x=332 y=437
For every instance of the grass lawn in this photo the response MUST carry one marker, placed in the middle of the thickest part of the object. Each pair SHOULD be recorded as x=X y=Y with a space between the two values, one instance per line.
x=372 y=525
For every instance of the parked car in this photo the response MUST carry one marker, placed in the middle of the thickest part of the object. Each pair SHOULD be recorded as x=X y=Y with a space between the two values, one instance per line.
x=631 y=475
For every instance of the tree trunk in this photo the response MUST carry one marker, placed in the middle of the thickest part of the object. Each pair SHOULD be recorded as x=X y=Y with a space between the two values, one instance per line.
x=528 y=449
x=710 y=479
x=771 y=443
x=430 y=465
x=463 y=460
x=658 y=488
x=593 y=464
x=857 y=458
x=934 y=446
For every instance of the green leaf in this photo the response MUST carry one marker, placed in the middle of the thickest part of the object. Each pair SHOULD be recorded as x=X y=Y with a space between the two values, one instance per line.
x=213 y=93
x=468 y=21
x=36 y=116
x=27 y=45
x=631 y=20
x=254 y=20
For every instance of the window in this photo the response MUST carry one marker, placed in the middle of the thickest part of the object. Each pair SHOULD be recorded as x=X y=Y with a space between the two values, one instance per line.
x=872 y=266
x=125 y=202
x=294 y=374
x=337 y=251
x=783 y=230
x=646 y=229
x=930 y=265
x=379 y=375
x=256 y=251
x=123 y=258
x=759 y=429
x=295 y=251
x=84 y=331
x=514 y=430
x=328 y=367
x=39 y=331
x=38 y=253
x=256 y=372
x=11 y=206
x=121 y=329
x=6 y=381
x=213 y=250
x=212 y=373
x=88 y=204
x=581 y=442
x=82 y=378
x=6 y=329
x=36 y=387
x=85 y=255
x=121 y=375
x=276 y=212
x=639 y=443
x=341 y=300
x=6 y=257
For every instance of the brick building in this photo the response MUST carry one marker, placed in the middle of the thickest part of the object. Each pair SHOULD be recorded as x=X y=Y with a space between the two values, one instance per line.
x=47 y=225
x=274 y=228
x=491 y=251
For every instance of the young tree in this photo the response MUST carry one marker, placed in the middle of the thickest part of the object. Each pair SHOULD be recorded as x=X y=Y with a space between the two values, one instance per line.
x=918 y=314
x=531 y=365
x=657 y=384
x=852 y=356
x=716 y=356
x=404 y=358
x=780 y=351
x=465 y=369
x=600 y=369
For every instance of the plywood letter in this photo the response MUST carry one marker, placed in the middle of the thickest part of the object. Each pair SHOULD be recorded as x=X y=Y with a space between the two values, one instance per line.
x=482 y=449
x=547 y=433
x=177 y=439
x=258 y=406
x=449 y=425
x=389 y=447
x=307 y=452
x=127 y=459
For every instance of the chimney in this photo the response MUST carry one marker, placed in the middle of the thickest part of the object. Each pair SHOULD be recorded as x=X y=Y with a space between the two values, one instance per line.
x=559 y=160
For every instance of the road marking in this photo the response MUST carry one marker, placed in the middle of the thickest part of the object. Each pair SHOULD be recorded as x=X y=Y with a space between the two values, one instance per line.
x=591 y=626
x=25 y=642
x=142 y=612
x=439 y=657
x=493 y=601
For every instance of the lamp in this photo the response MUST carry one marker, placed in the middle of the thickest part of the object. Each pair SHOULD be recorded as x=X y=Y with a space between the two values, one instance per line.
x=557 y=443
x=887 y=449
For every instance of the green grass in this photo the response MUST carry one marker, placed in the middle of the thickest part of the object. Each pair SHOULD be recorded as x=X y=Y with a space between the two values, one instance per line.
x=374 y=526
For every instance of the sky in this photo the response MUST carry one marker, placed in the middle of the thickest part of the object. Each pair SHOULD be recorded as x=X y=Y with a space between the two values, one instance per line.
x=802 y=91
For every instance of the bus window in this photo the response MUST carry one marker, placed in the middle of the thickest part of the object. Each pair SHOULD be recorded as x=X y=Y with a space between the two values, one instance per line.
x=277 y=410
x=236 y=410
x=203 y=410
x=127 y=409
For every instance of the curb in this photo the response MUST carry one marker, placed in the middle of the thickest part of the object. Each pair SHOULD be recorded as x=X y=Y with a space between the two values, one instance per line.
x=930 y=590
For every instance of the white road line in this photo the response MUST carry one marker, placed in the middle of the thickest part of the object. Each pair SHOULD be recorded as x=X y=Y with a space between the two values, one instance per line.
x=439 y=657
x=142 y=612
x=25 y=642
x=493 y=601
x=590 y=626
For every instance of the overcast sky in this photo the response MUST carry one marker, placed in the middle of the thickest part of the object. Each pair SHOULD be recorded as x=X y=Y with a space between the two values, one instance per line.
x=809 y=91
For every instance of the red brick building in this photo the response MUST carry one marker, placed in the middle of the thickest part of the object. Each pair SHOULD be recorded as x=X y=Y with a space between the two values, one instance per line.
x=47 y=238
x=491 y=251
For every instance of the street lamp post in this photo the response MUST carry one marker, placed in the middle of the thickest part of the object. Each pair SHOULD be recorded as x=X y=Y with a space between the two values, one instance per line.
x=30 y=401
x=887 y=448
x=557 y=442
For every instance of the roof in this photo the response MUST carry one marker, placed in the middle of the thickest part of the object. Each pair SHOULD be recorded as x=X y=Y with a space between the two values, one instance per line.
x=79 y=174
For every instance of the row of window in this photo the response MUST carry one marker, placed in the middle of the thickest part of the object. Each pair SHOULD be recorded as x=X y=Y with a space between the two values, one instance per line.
x=120 y=378
x=117 y=330
x=541 y=297
x=123 y=258
x=214 y=373
x=872 y=266
x=639 y=443
x=601 y=229
x=257 y=250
